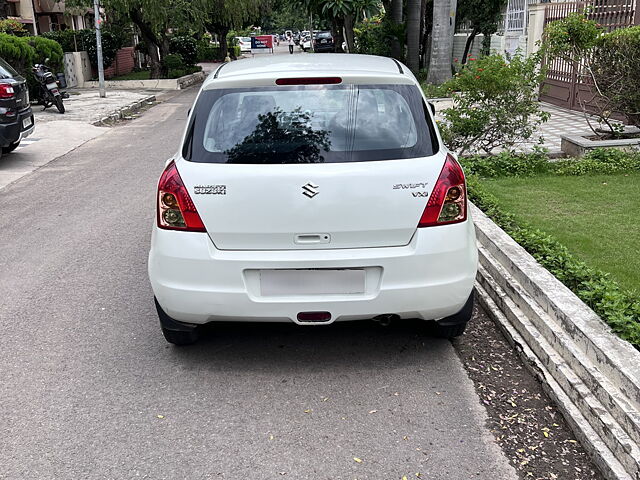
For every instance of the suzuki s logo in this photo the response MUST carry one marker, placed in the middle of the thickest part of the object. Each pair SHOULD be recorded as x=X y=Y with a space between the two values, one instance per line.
x=310 y=190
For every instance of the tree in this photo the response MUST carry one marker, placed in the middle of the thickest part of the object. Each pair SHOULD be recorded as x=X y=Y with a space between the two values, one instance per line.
x=154 y=19
x=221 y=16
x=482 y=16
x=414 y=9
x=396 y=18
x=444 y=16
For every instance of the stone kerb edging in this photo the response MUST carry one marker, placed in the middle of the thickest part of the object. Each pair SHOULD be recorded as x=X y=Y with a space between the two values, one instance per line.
x=593 y=375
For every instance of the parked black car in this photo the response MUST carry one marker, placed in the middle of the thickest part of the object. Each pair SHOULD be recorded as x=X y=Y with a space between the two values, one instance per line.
x=16 y=118
x=323 y=42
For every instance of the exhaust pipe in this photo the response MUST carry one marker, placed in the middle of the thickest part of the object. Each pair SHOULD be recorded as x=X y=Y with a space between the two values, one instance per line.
x=385 y=320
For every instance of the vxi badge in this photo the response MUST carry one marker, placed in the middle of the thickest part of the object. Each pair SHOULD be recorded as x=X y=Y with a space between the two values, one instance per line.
x=310 y=190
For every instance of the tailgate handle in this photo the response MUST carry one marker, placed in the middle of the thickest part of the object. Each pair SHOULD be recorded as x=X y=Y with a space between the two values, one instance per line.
x=307 y=238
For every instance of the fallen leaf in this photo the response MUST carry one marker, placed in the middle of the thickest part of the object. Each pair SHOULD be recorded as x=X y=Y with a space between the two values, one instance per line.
x=546 y=434
x=357 y=460
x=160 y=416
x=271 y=437
x=325 y=399
x=308 y=410
x=373 y=411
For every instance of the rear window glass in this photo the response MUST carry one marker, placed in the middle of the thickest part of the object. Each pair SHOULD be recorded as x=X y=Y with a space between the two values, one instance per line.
x=323 y=35
x=309 y=124
x=6 y=70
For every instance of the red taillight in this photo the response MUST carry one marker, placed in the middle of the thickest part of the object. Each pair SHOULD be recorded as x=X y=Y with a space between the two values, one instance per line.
x=6 y=90
x=309 y=81
x=176 y=210
x=448 y=201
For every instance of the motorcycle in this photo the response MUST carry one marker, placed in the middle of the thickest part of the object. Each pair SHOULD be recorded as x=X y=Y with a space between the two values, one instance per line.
x=48 y=92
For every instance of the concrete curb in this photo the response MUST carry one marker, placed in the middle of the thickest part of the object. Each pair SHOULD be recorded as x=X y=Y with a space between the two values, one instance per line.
x=124 y=111
x=593 y=375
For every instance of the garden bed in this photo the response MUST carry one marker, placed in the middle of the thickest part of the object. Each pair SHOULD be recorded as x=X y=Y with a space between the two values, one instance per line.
x=578 y=218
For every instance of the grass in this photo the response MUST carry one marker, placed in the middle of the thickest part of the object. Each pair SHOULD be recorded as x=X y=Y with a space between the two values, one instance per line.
x=594 y=216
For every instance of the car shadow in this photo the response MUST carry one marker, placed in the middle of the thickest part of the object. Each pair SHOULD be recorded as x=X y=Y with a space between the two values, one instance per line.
x=345 y=345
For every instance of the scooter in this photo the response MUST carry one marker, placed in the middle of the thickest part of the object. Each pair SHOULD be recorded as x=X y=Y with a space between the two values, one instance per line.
x=48 y=92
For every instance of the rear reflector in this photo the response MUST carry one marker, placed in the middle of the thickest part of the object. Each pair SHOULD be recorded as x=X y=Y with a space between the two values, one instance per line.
x=314 y=316
x=309 y=81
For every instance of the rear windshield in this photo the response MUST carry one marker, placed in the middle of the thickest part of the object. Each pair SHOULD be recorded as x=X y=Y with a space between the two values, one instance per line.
x=310 y=124
x=323 y=35
x=6 y=70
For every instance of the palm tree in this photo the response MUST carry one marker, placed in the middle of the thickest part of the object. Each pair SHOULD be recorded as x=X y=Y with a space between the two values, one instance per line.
x=444 y=24
x=396 y=17
x=413 y=34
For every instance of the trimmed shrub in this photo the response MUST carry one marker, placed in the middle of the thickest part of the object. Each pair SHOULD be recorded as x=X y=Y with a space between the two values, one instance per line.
x=495 y=103
x=13 y=27
x=113 y=39
x=17 y=52
x=47 y=48
x=185 y=46
x=616 y=67
x=173 y=61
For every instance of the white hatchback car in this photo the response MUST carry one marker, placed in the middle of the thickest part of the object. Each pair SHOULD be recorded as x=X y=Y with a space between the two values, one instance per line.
x=312 y=189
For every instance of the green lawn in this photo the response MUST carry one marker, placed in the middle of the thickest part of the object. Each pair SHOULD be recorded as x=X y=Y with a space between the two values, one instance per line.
x=141 y=75
x=597 y=217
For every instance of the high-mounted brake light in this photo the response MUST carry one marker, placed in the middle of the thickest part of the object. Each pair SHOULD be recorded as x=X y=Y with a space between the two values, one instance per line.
x=448 y=201
x=6 y=90
x=309 y=81
x=176 y=210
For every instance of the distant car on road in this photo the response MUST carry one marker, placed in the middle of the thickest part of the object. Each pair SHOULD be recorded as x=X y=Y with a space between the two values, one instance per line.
x=244 y=43
x=323 y=42
x=16 y=117
x=312 y=192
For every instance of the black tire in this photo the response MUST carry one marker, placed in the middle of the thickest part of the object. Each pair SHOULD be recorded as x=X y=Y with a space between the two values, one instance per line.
x=180 y=337
x=11 y=147
x=59 y=104
x=449 y=331
x=455 y=325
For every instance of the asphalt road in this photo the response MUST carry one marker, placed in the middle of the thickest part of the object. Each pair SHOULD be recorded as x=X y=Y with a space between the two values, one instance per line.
x=90 y=389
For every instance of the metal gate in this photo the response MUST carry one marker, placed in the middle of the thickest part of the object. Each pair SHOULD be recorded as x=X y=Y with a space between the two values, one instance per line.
x=567 y=84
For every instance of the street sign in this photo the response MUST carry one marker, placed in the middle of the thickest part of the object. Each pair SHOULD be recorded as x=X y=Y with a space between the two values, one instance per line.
x=262 y=44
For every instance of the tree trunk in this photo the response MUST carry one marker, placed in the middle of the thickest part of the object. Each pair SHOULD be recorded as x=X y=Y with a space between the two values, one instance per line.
x=337 y=25
x=3 y=9
x=444 y=22
x=396 y=18
x=467 y=47
x=423 y=33
x=348 y=33
x=222 y=32
x=151 y=40
x=413 y=34
x=164 y=51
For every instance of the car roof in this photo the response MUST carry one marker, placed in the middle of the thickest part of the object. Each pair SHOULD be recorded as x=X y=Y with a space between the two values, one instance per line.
x=352 y=67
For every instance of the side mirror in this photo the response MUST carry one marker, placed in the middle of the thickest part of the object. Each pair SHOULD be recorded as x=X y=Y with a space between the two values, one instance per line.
x=432 y=107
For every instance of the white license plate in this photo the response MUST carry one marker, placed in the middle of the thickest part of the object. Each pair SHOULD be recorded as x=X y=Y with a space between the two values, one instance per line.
x=52 y=86
x=26 y=123
x=323 y=41
x=311 y=282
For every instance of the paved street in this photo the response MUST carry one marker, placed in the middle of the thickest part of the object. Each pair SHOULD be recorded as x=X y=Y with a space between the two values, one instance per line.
x=90 y=389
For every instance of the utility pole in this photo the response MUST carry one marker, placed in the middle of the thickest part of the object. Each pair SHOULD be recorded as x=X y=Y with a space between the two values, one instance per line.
x=96 y=8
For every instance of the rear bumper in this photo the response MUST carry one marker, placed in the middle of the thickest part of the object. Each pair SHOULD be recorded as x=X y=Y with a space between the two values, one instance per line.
x=14 y=132
x=431 y=278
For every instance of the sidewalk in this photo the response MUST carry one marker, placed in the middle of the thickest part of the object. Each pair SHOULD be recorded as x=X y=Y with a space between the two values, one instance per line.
x=85 y=105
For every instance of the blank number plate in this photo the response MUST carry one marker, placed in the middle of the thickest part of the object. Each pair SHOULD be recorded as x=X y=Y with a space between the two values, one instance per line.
x=311 y=282
x=26 y=123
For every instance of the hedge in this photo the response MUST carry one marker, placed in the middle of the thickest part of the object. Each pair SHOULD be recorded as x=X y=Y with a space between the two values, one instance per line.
x=617 y=307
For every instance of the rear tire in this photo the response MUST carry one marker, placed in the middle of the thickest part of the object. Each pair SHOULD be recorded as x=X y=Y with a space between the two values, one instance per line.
x=11 y=147
x=455 y=325
x=59 y=104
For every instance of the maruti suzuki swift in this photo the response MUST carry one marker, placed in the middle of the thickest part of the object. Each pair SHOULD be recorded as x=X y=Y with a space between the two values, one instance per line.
x=312 y=189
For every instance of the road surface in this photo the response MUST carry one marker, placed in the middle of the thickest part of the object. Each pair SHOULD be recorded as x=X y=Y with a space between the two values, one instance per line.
x=89 y=388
